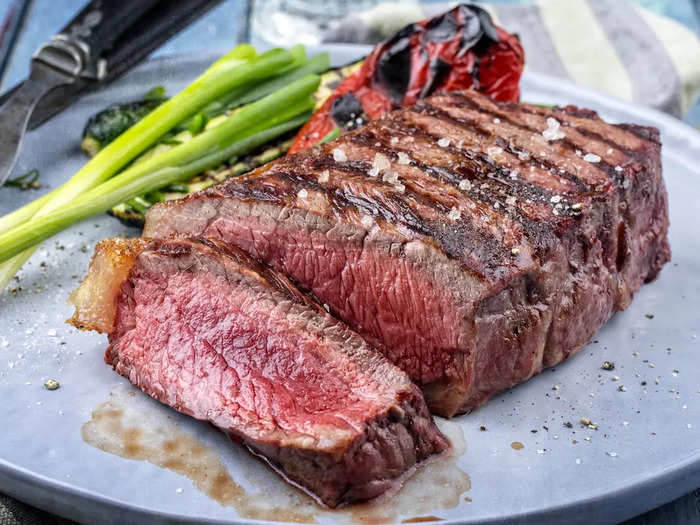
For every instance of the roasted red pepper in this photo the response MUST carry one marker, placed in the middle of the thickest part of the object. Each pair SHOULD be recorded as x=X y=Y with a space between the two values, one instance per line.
x=460 y=49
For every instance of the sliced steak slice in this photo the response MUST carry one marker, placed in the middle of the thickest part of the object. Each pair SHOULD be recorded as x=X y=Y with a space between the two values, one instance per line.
x=473 y=242
x=221 y=338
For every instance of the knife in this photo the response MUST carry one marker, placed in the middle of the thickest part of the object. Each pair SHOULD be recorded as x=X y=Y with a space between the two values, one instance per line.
x=103 y=41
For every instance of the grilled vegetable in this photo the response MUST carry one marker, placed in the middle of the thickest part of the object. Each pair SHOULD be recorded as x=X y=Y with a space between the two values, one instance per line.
x=27 y=181
x=105 y=126
x=460 y=49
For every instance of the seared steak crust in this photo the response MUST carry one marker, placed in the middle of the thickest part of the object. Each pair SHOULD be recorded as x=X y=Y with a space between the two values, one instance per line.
x=462 y=236
x=217 y=336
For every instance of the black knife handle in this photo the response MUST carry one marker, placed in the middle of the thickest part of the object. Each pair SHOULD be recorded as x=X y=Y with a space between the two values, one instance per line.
x=101 y=22
x=165 y=19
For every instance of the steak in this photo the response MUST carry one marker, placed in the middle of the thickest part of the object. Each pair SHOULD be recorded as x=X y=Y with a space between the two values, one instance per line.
x=221 y=338
x=473 y=242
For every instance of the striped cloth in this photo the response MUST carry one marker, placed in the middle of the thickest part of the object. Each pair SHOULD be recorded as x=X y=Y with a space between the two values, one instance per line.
x=614 y=46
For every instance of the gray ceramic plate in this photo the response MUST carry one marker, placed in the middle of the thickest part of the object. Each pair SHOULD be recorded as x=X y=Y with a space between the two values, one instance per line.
x=644 y=452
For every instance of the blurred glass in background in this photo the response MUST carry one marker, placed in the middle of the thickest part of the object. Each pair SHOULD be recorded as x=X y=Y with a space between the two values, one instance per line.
x=285 y=22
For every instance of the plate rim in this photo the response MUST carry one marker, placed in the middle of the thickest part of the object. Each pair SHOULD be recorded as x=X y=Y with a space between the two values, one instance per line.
x=643 y=494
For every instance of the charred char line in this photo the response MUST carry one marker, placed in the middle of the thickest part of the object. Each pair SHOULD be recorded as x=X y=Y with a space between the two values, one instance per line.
x=581 y=185
x=491 y=251
x=520 y=188
x=608 y=169
x=451 y=244
x=539 y=233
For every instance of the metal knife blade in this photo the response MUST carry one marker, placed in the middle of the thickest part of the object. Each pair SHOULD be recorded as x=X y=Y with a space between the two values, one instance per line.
x=17 y=110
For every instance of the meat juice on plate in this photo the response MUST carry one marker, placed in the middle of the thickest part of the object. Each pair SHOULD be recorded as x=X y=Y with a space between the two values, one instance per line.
x=129 y=426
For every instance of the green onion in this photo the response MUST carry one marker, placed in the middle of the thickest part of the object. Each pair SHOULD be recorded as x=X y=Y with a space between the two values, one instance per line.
x=272 y=110
x=238 y=67
x=197 y=124
x=315 y=65
x=241 y=66
x=102 y=199
x=246 y=94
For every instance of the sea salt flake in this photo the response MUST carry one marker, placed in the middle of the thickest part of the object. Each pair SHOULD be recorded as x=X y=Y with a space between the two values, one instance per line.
x=379 y=164
x=555 y=199
x=404 y=159
x=454 y=214
x=394 y=141
x=578 y=461
x=592 y=158
x=523 y=155
x=494 y=151
x=510 y=200
x=465 y=184
x=391 y=177
x=553 y=130
x=303 y=193
x=400 y=187
x=612 y=454
x=540 y=451
x=497 y=120
x=324 y=176
x=443 y=142
x=618 y=169
x=339 y=155
x=689 y=425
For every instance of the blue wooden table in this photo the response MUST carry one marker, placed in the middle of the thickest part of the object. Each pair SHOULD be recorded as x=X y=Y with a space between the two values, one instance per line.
x=35 y=21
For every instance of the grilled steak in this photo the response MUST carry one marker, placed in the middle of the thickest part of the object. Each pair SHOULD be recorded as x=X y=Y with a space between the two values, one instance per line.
x=221 y=338
x=473 y=242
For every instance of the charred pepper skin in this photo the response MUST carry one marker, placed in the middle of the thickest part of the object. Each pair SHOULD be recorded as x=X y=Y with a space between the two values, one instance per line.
x=460 y=49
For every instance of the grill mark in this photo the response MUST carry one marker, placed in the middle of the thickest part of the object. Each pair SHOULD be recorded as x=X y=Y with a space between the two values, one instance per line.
x=602 y=165
x=360 y=169
x=583 y=131
x=457 y=240
x=249 y=191
x=645 y=133
x=450 y=242
x=540 y=233
x=518 y=186
x=471 y=124
x=515 y=187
